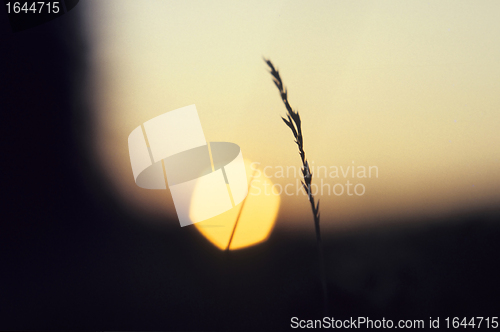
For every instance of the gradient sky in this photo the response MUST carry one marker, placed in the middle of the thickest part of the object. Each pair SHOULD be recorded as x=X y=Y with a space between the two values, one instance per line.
x=410 y=87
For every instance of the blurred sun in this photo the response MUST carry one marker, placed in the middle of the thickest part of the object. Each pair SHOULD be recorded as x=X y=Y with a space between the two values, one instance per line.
x=249 y=222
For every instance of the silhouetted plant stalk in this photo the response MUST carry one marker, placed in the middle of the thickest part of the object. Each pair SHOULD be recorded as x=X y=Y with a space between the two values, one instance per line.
x=294 y=123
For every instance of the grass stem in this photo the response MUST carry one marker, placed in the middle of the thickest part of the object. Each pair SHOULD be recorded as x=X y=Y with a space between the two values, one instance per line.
x=293 y=121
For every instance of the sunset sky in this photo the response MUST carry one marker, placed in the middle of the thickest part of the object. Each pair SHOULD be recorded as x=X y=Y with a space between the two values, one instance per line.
x=409 y=87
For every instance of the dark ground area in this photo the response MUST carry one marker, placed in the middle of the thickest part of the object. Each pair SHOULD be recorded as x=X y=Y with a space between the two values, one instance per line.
x=71 y=261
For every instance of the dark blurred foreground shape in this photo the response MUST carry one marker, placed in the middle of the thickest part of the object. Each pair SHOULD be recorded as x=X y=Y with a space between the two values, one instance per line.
x=72 y=258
